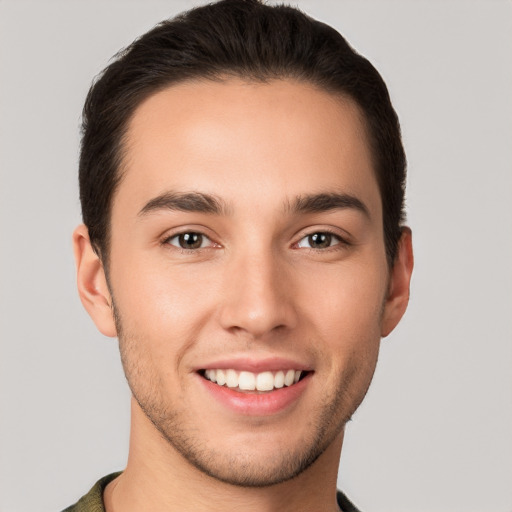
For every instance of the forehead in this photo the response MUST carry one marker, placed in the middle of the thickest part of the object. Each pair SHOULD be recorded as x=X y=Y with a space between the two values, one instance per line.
x=249 y=140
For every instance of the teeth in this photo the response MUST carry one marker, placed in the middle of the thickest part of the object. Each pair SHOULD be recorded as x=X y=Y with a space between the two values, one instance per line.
x=248 y=381
x=211 y=375
x=221 y=377
x=288 y=378
x=265 y=381
x=279 y=379
x=231 y=378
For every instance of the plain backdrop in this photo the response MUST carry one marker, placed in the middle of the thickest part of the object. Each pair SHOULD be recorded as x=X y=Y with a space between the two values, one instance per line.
x=435 y=431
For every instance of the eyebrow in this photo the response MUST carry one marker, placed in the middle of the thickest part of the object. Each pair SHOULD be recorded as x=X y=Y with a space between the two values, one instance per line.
x=186 y=202
x=323 y=202
x=214 y=205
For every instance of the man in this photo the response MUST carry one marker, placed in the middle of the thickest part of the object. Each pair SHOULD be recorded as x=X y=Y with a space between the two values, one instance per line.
x=242 y=182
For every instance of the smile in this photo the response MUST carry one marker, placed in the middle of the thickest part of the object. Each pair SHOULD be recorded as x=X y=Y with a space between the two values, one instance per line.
x=249 y=381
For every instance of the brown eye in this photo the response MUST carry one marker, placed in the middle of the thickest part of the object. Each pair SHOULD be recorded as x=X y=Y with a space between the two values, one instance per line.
x=319 y=240
x=190 y=240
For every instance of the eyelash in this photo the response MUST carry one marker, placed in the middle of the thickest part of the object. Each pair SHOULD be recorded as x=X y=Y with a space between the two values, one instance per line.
x=339 y=244
x=183 y=250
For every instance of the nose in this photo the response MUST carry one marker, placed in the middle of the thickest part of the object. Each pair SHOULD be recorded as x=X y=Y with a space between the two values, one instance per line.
x=257 y=296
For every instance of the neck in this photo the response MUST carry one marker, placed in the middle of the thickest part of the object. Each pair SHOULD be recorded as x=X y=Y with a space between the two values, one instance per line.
x=159 y=478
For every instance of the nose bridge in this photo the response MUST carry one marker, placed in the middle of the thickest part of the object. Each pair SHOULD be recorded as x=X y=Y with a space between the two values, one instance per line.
x=257 y=300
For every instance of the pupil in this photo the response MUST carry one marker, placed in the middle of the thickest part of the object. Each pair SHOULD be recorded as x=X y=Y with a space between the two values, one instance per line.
x=191 y=240
x=320 y=240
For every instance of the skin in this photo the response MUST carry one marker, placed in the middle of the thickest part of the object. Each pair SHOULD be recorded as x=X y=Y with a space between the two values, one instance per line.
x=258 y=288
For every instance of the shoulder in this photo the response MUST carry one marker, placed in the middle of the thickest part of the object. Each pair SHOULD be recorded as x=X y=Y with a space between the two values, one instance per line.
x=345 y=504
x=93 y=500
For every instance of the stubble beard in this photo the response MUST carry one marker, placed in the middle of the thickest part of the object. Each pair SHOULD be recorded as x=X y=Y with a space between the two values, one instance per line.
x=236 y=469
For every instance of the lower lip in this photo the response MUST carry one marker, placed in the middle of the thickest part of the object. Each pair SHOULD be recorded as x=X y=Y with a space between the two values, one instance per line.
x=257 y=404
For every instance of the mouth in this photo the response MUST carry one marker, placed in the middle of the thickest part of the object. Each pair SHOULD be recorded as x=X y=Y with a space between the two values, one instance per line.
x=255 y=383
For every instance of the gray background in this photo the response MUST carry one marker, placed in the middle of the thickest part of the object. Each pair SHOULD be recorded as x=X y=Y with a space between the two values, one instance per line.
x=435 y=432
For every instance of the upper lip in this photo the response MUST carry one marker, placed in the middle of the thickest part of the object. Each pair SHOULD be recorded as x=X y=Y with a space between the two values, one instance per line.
x=256 y=365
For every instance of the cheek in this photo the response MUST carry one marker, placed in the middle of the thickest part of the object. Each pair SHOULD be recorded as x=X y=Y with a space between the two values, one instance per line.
x=161 y=302
x=349 y=304
x=160 y=319
x=346 y=317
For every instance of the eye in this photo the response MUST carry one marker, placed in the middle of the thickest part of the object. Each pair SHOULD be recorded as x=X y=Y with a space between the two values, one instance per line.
x=319 y=240
x=189 y=240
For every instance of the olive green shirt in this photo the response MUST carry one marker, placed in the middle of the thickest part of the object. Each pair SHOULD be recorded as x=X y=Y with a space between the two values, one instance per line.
x=93 y=500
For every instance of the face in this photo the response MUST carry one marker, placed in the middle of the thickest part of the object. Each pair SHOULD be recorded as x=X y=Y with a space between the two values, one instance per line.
x=248 y=273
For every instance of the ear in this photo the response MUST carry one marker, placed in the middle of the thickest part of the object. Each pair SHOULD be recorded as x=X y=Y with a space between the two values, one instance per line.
x=92 y=283
x=399 y=282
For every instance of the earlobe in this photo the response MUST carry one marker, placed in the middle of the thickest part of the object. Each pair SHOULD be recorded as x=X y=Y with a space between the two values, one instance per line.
x=92 y=283
x=399 y=284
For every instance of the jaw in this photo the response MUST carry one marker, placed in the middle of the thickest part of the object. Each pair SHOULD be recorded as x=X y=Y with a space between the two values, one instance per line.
x=173 y=479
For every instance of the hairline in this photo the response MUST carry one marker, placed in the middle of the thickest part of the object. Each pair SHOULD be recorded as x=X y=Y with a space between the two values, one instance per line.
x=225 y=76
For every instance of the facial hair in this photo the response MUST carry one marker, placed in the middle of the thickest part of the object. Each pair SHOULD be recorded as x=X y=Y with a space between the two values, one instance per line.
x=325 y=423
